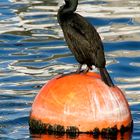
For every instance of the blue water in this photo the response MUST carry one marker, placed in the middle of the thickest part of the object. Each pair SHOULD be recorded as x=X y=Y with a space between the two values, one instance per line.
x=33 y=50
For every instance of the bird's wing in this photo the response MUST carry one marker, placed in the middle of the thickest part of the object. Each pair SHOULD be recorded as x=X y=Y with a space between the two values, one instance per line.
x=76 y=40
x=89 y=38
x=88 y=31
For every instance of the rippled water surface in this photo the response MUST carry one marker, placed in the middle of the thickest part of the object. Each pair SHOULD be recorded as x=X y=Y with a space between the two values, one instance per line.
x=33 y=50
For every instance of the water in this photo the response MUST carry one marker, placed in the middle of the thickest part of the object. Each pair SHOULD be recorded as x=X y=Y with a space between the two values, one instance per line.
x=32 y=51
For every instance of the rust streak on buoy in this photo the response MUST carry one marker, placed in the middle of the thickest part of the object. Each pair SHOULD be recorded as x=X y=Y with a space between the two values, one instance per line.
x=81 y=101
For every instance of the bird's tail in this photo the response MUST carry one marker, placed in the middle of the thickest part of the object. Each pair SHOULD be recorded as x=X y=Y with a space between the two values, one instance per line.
x=106 y=77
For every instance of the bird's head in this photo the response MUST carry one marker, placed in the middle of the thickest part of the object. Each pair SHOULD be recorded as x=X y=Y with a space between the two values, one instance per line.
x=69 y=6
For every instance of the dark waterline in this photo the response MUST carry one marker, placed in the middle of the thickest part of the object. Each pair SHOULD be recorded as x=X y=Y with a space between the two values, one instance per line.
x=32 y=51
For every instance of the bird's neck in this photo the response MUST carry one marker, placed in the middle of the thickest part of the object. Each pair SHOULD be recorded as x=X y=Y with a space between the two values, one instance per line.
x=68 y=8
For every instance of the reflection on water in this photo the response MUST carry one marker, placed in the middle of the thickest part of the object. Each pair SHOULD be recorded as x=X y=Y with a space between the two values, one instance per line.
x=33 y=50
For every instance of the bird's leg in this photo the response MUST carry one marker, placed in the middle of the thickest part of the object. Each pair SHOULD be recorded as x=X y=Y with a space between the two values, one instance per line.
x=79 y=68
x=87 y=69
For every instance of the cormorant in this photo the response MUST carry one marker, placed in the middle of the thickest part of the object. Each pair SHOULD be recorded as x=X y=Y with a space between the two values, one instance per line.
x=83 y=40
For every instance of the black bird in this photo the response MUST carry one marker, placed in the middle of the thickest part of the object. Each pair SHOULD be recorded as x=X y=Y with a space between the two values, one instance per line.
x=83 y=40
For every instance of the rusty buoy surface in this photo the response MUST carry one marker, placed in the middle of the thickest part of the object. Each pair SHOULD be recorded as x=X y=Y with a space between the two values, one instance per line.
x=79 y=103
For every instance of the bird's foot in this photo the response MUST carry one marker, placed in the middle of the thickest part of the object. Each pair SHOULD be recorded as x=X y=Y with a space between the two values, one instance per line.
x=86 y=70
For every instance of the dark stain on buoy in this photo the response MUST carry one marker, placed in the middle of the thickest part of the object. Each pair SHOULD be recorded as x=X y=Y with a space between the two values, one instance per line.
x=96 y=132
x=124 y=129
x=72 y=129
x=37 y=127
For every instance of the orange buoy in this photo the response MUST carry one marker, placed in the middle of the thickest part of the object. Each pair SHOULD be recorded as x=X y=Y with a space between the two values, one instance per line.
x=80 y=103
